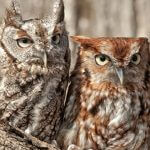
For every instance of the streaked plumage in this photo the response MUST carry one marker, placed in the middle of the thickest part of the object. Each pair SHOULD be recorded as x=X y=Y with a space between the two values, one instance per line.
x=107 y=107
x=34 y=69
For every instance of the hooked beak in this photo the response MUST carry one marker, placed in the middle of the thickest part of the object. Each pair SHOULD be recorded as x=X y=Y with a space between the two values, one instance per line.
x=119 y=72
x=45 y=59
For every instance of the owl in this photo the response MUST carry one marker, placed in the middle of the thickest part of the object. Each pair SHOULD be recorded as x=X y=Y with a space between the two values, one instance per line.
x=34 y=69
x=107 y=107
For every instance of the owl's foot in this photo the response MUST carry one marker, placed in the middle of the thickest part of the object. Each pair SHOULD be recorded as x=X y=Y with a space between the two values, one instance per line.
x=73 y=147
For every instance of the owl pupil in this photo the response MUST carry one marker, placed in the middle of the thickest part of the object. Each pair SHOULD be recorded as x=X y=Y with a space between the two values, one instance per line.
x=102 y=58
x=134 y=58
x=25 y=41
x=54 y=38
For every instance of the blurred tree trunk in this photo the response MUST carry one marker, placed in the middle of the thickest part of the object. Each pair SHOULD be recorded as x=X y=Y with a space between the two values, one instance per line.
x=107 y=18
x=143 y=17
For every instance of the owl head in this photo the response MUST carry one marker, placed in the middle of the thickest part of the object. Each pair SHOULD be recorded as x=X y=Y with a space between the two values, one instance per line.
x=121 y=61
x=39 y=41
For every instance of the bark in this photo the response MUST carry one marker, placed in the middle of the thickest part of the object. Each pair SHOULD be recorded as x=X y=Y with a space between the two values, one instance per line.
x=143 y=17
x=11 y=139
x=107 y=18
x=8 y=142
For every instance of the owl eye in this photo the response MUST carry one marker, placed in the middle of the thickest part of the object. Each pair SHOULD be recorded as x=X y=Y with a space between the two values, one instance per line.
x=102 y=59
x=136 y=58
x=56 y=39
x=24 y=42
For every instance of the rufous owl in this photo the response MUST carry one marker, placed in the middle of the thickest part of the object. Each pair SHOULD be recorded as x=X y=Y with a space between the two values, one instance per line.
x=107 y=106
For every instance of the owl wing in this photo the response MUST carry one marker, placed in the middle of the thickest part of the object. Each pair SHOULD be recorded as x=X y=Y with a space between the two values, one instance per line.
x=72 y=106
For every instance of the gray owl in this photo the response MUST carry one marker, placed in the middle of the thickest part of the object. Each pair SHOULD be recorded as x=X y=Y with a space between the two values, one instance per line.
x=34 y=68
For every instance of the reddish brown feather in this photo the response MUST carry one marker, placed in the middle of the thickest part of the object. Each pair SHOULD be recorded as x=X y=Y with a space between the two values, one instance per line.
x=105 y=114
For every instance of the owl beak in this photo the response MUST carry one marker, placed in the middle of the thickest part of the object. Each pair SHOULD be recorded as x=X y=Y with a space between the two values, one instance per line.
x=45 y=59
x=119 y=72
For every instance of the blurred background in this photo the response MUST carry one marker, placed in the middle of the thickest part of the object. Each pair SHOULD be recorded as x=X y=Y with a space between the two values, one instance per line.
x=109 y=17
x=95 y=17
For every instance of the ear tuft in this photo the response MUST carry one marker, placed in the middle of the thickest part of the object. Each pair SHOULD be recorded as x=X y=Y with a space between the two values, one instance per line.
x=80 y=39
x=15 y=7
x=13 y=14
x=58 y=11
x=55 y=17
x=86 y=42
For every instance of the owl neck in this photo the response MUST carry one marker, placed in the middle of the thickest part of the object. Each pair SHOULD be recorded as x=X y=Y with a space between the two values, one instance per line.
x=94 y=96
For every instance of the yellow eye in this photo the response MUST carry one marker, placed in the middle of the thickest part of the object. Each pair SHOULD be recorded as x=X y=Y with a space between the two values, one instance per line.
x=56 y=39
x=24 y=42
x=136 y=58
x=102 y=59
